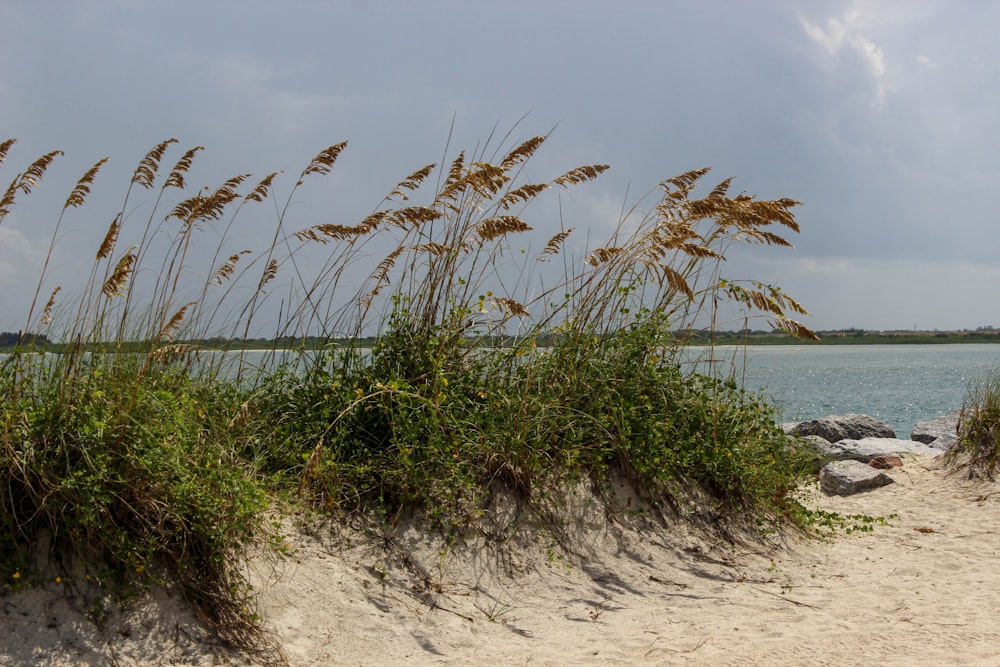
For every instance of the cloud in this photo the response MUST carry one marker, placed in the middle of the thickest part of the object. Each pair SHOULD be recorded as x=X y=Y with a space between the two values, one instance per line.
x=848 y=32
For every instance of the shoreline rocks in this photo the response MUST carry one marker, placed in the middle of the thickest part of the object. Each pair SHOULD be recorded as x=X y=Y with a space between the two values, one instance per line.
x=855 y=440
x=941 y=433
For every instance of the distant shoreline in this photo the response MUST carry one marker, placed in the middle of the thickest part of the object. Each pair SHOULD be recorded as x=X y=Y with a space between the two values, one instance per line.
x=753 y=338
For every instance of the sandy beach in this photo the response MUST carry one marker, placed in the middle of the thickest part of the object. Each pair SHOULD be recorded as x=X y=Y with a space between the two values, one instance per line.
x=917 y=591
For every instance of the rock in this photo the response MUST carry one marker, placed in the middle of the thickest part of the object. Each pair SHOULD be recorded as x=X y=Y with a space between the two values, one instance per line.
x=940 y=433
x=845 y=478
x=867 y=449
x=844 y=427
x=884 y=462
x=813 y=441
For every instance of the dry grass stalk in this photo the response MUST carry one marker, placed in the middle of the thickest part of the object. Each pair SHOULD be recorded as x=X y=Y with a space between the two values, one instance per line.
x=523 y=194
x=176 y=177
x=170 y=328
x=82 y=188
x=25 y=181
x=436 y=249
x=225 y=272
x=269 y=274
x=554 y=244
x=145 y=173
x=603 y=255
x=512 y=306
x=108 y=244
x=581 y=175
x=201 y=208
x=492 y=228
x=324 y=161
x=259 y=193
x=5 y=147
x=411 y=182
x=413 y=216
x=381 y=274
x=454 y=183
x=486 y=179
x=522 y=153
x=114 y=285
x=321 y=233
x=47 y=311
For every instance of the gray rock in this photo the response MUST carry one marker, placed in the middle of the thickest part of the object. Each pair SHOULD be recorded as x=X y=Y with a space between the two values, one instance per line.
x=866 y=449
x=844 y=427
x=939 y=433
x=845 y=478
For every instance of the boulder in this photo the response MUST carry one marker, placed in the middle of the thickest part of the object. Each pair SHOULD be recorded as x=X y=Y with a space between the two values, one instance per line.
x=845 y=478
x=844 y=427
x=866 y=449
x=940 y=432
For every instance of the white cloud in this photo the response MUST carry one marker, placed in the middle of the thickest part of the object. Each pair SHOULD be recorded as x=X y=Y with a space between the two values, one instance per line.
x=849 y=31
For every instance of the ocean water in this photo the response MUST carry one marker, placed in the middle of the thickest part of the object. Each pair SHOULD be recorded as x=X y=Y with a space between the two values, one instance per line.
x=898 y=384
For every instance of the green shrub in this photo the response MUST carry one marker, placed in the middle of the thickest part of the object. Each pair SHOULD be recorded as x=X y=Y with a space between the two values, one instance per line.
x=139 y=451
x=979 y=427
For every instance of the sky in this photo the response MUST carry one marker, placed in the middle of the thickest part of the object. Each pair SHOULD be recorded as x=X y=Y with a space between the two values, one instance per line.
x=879 y=116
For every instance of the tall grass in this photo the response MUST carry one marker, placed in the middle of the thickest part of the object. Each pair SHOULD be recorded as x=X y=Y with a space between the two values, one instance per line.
x=137 y=452
x=979 y=427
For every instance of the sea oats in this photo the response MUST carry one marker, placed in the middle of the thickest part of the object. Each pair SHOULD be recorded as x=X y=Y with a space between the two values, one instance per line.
x=145 y=173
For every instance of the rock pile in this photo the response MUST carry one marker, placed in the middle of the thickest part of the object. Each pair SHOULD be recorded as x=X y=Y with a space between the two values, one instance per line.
x=862 y=445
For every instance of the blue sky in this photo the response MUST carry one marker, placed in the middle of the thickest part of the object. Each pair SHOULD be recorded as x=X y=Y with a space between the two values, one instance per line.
x=881 y=117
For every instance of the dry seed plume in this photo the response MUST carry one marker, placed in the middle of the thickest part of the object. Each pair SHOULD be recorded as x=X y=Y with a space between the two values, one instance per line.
x=436 y=249
x=269 y=274
x=603 y=255
x=168 y=331
x=176 y=177
x=145 y=173
x=413 y=216
x=26 y=181
x=522 y=194
x=512 y=306
x=225 y=272
x=110 y=238
x=581 y=175
x=522 y=152
x=5 y=147
x=116 y=283
x=324 y=161
x=411 y=182
x=47 y=311
x=554 y=244
x=492 y=228
x=259 y=193
x=200 y=207
x=82 y=188
x=381 y=274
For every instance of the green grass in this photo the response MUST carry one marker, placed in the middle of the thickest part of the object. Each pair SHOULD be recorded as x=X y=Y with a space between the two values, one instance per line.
x=979 y=427
x=148 y=459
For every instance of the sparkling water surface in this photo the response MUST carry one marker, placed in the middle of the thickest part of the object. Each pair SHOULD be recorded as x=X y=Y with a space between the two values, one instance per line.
x=898 y=384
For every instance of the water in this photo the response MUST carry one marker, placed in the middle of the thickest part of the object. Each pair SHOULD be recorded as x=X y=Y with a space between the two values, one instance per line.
x=898 y=384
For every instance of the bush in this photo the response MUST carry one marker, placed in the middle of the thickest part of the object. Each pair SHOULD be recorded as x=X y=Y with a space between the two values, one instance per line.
x=428 y=379
x=979 y=427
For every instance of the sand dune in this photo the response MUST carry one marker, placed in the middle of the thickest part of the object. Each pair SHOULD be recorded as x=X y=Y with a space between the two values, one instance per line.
x=920 y=590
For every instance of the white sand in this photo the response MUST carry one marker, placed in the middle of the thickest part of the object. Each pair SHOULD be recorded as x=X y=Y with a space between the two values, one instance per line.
x=920 y=591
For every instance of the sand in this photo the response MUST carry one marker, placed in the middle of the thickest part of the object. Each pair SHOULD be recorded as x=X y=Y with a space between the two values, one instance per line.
x=918 y=591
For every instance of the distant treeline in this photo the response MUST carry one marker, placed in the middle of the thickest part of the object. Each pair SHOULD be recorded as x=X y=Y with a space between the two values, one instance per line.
x=10 y=341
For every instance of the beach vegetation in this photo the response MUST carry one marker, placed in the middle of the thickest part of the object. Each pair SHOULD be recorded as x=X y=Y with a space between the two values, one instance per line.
x=978 y=447
x=146 y=456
